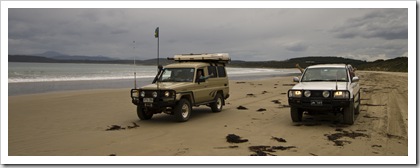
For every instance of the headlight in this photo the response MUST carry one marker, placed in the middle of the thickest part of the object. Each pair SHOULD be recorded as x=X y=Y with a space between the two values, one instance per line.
x=167 y=93
x=295 y=93
x=307 y=93
x=341 y=94
x=135 y=93
x=326 y=94
x=154 y=94
x=142 y=94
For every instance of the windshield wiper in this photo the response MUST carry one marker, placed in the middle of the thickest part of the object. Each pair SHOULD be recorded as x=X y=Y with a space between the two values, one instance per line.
x=315 y=80
x=338 y=80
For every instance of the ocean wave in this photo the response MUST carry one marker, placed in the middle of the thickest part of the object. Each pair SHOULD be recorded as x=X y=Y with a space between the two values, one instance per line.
x=61 y=79
x=51 y=72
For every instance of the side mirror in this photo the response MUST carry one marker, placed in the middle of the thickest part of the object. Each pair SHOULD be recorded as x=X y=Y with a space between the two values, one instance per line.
x=200 y=80
x=355 y=79
x=295 y=79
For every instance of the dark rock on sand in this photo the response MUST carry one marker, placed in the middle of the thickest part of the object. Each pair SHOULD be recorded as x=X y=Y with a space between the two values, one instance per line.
x=134 y=126
x=232 y=138
x=114 y=127
x=242 y=108
x=262 y=149
x=282 y=147
x=278 y=139
x=250 y=95
x=335 y=137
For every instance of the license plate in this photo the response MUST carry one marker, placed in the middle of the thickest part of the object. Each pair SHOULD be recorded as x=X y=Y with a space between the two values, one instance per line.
x=316 y=103
x=148 y=100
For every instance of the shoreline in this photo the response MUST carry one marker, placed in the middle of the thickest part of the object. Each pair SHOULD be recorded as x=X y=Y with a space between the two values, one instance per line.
x=25 y=88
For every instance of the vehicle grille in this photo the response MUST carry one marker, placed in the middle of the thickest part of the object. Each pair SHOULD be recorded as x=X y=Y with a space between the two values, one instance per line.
x=318 y=93
x=148 y=93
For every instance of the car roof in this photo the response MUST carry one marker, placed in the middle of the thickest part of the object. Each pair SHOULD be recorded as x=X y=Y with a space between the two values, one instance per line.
x=328 y=66
x=187 y=65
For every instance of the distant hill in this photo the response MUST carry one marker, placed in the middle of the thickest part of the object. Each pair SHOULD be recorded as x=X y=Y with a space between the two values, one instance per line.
x=83 y=59
x=60 y=56
x=162 y=61
x=399 y=64
x=25 y=58
x=302 y=61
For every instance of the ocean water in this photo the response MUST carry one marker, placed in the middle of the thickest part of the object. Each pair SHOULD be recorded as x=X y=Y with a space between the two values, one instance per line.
x=29 y=78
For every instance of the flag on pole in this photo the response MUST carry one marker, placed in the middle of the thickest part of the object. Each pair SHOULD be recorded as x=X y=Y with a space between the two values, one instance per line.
x=157 y=32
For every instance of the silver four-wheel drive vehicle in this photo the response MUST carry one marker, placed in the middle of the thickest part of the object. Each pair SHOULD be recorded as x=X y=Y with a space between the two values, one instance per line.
x=193 y=80
x=326 y=88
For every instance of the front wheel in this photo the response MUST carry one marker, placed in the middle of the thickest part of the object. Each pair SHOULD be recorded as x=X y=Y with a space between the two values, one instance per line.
x=217 y=106
x=182 y=110
x=357 y=109
x=143 y=114
x=348 y=114
x=296 y=114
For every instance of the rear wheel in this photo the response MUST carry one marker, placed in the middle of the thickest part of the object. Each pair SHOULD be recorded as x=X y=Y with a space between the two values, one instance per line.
x=217 y=106
x=348 y=114
x=143 y=114
x=182 y=110
x=296 y=114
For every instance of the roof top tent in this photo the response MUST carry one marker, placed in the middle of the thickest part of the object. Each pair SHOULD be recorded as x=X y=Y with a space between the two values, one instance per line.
x=216 y=58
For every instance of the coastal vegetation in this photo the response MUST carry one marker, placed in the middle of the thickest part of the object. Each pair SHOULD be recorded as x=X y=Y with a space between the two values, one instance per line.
x=399 y=64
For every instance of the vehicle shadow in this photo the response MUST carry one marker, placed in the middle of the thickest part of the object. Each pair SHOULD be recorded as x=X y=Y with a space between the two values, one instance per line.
x=323 y=119
x=196 y=114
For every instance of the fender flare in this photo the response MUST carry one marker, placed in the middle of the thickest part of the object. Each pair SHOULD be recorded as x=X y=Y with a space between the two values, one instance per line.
x=189 y=95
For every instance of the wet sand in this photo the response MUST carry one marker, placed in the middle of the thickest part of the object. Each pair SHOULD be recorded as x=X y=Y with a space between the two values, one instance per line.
x=104 y=122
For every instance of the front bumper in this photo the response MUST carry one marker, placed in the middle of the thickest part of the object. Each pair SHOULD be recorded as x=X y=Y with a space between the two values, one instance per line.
x=158 y=102
x=319 y=103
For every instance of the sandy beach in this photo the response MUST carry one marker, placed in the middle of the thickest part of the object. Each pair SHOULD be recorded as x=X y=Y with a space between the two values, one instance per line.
x=75 y=123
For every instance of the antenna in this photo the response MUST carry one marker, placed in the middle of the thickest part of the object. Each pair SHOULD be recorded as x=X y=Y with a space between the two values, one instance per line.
x=157 y=36
x=135 y=80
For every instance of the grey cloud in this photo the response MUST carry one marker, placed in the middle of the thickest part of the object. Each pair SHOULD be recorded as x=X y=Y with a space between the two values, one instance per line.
x=387 y=24
x=119 y=31
x=296 y=46
x=247 y=34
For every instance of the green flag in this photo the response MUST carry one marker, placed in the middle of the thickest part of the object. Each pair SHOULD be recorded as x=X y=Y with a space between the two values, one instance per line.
x=157 y=32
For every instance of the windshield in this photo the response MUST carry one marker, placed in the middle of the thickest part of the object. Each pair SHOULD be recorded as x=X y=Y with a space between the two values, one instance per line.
x=325 y=74
x=177 y=75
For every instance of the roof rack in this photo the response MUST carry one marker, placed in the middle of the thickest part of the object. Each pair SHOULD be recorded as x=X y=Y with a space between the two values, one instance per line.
x=216 y=57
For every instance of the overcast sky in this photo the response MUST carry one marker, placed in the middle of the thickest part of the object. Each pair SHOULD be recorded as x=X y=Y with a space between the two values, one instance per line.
x=246 y=34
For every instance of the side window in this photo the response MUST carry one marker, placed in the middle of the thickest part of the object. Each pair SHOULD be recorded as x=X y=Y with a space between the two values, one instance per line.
x=166 y=75
x=221 y=71
x=212 y=70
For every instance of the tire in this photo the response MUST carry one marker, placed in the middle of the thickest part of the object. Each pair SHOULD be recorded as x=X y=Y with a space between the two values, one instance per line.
x=357 y=109
x=348 y=114
x=142 y=114
x=218 y=105
x=182 y=110
x=296 y=114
